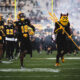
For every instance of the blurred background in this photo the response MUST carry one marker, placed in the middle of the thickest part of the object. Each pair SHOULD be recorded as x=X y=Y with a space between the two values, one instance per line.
x=37 y=12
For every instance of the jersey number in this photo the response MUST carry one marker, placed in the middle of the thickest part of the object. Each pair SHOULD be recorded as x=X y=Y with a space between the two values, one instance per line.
x=24 y=29
x=9 y=31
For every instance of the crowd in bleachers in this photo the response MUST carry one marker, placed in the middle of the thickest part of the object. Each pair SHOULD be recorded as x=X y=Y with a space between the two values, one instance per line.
x=7 y=6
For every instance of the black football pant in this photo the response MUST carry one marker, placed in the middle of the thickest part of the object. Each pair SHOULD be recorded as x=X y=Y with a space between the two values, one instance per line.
x=9 y=49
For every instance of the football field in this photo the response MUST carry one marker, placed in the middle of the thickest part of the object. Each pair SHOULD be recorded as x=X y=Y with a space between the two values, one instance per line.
x=41 y=67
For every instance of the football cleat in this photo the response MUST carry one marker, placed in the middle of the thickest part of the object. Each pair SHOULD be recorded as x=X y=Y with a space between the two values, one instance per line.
x=57 y=64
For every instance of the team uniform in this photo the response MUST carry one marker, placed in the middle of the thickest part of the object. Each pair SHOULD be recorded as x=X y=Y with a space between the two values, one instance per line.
x=1 y=36
x=16 y=46
x=25 y=29
x=1 y=45
x=9 y=38
x=17 y=49
x=24 y=37
x=2 y=22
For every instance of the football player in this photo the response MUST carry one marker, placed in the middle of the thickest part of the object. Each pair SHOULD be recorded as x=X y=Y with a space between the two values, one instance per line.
x=1 y=36
x=25 y=30
x=9 y=38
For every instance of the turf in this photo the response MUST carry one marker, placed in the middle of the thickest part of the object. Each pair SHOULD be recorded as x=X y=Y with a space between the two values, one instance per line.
x=70 y=70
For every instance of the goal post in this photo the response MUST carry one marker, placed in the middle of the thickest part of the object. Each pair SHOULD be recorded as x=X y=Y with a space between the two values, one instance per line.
x=15 y=9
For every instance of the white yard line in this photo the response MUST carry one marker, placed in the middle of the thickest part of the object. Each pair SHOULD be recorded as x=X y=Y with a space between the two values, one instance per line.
x=70 y=68
x=52 y=64
x=70 y=58
x=30 y=70
x=7 y=62
x=37 y=70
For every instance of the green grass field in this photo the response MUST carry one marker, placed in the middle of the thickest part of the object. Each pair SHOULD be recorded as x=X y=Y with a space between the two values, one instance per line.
x=40 y=68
